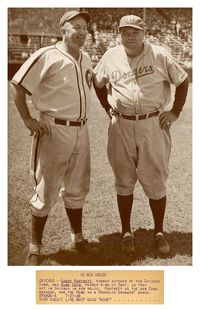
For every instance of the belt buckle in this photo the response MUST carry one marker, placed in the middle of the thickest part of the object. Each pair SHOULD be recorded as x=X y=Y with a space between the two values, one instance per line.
x=137 y=117
x=113 y=112
x=83 y=122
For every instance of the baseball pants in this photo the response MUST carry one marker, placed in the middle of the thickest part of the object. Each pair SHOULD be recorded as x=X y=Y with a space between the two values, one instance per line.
x=60 y=160
x=139 y=150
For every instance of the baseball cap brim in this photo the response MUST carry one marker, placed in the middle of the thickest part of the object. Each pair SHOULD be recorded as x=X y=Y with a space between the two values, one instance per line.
x=132 y=26
x=71 y=14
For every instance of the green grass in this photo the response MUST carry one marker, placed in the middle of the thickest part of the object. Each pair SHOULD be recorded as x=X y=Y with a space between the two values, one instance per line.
x=101 y=224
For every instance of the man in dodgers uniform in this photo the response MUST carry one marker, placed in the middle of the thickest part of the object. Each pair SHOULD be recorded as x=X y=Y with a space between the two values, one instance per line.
x=138 y=77
x=58 y=79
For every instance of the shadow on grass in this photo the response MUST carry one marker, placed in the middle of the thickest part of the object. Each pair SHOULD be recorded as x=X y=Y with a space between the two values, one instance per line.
x=110 y=254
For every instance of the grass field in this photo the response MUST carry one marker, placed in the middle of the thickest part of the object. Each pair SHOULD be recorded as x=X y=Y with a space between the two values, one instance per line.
x=101 y=224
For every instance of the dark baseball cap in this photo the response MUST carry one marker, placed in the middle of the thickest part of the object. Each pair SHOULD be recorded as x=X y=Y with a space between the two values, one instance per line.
x=71 y=14
x=131 y=21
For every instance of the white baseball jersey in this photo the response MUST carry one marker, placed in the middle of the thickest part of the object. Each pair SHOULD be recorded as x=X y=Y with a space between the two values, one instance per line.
x=141 y=84
x=59 y=85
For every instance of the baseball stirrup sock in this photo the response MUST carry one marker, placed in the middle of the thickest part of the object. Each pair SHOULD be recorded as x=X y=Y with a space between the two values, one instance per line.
x=34 y=249
x=76 y=237
x=125 y=206
x=38 y=224
x=75 y=220
x=158 y=211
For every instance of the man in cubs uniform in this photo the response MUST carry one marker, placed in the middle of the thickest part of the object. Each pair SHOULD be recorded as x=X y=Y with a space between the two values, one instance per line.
x=138 y=77
x=58 y=79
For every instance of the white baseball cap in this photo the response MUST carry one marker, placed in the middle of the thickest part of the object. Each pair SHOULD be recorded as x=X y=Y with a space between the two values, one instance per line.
x=131 y=21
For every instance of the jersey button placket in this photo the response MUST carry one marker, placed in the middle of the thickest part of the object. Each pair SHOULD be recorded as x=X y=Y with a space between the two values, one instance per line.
x=135 y=96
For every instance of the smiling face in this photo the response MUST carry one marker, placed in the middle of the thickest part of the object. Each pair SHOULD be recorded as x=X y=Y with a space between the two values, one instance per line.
x=132 y=39
x=74 y=32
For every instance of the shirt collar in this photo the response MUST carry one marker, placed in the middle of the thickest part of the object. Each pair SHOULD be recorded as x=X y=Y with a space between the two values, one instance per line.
x=59 y=47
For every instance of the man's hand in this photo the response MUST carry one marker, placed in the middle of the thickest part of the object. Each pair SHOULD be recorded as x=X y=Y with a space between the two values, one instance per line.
x=37 y=128
x=166 y=119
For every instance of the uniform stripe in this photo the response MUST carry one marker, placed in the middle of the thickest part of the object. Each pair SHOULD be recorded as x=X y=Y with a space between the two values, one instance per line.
x=83 y=85
x=36 y=59
x=22 y=87
x=73 y=61
x=35 y=160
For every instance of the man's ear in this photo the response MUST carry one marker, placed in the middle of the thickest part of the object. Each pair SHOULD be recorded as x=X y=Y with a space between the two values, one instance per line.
x=62 y=31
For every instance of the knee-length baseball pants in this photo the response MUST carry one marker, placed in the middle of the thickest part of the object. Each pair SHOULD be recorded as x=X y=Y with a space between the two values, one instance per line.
x=139 y=150
x=60 y=159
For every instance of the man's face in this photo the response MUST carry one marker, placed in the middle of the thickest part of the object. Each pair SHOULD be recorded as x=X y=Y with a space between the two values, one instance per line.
x=132 y=38
x=75 y=31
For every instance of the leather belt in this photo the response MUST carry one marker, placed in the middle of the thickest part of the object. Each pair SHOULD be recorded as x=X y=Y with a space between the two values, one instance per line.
x=70 y=123
x=136 y=117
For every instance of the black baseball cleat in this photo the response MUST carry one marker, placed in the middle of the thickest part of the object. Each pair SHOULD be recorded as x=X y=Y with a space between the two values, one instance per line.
x=81 y=246
x=161 y=243
x=127 y=245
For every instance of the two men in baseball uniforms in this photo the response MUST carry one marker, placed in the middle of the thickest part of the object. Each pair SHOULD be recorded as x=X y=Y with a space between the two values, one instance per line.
x=138 y=76
x=58 y=79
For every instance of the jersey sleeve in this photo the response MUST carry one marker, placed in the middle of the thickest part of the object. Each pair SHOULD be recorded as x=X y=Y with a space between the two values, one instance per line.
x=31 y=73
x=176 y=74
x=100 y=73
